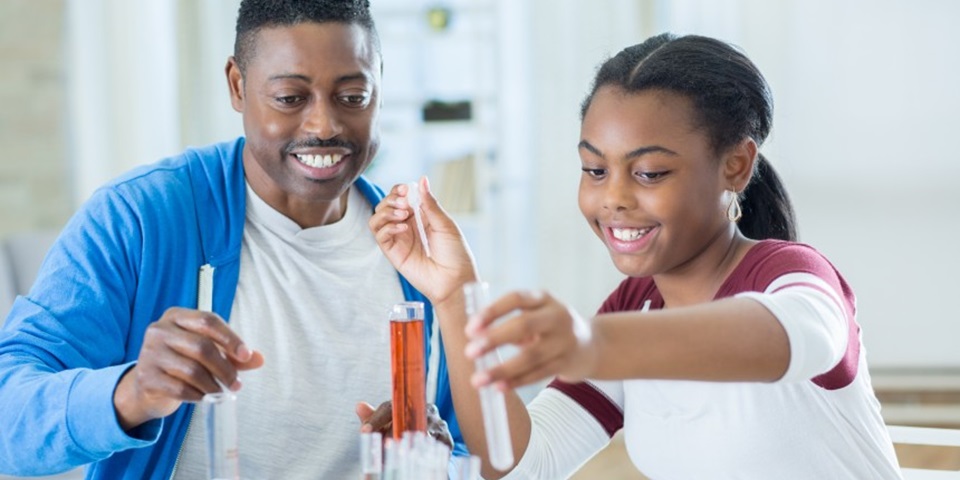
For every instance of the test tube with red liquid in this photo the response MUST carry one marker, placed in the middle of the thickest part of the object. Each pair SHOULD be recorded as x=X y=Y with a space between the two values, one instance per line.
x=409 y=368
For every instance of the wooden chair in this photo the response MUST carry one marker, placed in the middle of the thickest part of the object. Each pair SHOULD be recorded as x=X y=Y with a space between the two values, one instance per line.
x=941 y=437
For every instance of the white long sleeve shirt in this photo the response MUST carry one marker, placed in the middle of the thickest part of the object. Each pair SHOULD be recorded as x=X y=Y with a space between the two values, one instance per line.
x=821 y=420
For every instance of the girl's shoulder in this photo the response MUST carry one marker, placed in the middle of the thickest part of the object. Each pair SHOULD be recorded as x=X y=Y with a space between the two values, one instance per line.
x=771 y=260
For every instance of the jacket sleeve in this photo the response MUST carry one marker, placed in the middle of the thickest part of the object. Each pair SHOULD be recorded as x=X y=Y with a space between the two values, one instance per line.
x=63 y=347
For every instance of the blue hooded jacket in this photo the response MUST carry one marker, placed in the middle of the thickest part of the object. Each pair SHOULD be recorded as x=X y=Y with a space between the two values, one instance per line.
x=133 y=250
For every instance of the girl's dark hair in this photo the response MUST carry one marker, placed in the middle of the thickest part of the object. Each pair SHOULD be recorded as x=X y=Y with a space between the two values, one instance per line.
x=732 y=102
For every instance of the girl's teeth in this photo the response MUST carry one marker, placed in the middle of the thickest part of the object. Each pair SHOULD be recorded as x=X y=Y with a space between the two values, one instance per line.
x=629 y=234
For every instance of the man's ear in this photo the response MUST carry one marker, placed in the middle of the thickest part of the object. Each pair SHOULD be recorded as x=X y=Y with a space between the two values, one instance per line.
x=738 y=164
x=235 y=83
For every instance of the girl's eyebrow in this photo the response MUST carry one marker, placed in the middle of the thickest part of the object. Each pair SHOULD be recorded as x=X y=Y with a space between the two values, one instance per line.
x=633 y=154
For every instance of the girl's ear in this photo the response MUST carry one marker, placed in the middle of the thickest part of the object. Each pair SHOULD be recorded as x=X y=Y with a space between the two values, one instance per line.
x=235 y=84
x=738 y=165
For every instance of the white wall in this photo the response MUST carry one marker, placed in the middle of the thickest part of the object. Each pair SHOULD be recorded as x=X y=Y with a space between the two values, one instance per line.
x=121 y=84
x=144 y=79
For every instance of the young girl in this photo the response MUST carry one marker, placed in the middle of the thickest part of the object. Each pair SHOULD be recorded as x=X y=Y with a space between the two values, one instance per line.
x=730 y=351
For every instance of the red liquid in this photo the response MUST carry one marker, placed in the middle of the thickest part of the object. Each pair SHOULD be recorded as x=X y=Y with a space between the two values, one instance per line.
x=409 y=369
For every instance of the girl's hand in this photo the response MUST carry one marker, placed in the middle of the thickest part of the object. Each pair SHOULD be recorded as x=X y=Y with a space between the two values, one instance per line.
x=553 y=340
x=450 y=263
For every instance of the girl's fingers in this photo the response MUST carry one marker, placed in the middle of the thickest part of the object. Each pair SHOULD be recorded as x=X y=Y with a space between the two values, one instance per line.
x=547 y=370
x=515 y=300
x=434 y=216
x=526 y=367
x=529 y=325
x=386 y=234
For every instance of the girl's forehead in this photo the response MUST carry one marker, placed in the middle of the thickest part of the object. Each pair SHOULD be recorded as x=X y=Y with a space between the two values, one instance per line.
x=648 y=116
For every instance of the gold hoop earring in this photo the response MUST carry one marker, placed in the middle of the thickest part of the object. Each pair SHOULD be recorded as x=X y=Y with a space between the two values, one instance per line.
x=734 y=212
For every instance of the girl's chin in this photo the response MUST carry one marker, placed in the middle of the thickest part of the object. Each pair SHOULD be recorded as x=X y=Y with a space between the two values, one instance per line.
x=630 y=266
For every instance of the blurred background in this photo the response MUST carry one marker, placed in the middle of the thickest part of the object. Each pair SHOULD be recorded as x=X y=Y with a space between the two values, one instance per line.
x=484 y=95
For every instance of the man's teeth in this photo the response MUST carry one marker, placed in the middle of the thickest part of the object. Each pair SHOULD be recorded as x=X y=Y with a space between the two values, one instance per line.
x=320 y=161
x=629 y=234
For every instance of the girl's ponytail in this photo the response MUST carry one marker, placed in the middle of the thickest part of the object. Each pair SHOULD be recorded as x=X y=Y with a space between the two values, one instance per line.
x=767 y=212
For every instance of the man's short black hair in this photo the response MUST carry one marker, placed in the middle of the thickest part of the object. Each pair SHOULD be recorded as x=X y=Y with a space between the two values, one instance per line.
x=257 y=14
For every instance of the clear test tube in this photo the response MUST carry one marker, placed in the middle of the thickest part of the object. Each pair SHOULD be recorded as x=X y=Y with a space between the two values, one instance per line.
x=466 y=468
x=409 y=368
x=220 y=419
x=413 y=198
x=371 y=456
x=492 y=404
x=391 y=459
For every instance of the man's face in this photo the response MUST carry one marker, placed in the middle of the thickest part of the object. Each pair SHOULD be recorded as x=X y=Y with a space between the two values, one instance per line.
x=310 y=104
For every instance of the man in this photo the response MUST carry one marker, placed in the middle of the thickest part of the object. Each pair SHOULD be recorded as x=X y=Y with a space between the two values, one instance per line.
x=125 y=328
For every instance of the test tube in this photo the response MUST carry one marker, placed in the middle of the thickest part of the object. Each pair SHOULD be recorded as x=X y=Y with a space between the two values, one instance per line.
x=413 y=198
x=371 y=456
x=220 y=419
x=466 y=468
x=492 y=404
x=391 y=459
x=409 y=368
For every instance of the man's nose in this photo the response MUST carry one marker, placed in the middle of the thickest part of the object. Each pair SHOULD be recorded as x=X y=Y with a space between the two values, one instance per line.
x=322 y=121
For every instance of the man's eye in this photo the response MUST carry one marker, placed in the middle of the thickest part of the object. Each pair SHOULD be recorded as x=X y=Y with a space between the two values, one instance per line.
x=594 y=172
x=355 y=100
x=289 y=99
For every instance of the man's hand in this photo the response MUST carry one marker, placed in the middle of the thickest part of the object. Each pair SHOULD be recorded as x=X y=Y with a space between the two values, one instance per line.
x=184 y=356
x=381 y=420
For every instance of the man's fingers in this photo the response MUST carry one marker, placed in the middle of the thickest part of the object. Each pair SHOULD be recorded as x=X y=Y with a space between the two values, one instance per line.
x=190 y=373
x=381 y=418
x=364 y=411
x=175 y=388
x=207 y=355
x=256 y=361
x=210 y=325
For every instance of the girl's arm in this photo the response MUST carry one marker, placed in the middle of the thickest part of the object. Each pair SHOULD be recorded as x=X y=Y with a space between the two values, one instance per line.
x=441 y=277
x=734 y=339
x=797 y=330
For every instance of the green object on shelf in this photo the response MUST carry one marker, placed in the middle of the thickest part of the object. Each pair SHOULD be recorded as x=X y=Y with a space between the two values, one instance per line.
x=438 y=111
x=438 y=18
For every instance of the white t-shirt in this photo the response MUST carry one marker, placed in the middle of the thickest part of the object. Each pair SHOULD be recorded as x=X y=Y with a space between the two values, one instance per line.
x=820 y=421
x=315 y=301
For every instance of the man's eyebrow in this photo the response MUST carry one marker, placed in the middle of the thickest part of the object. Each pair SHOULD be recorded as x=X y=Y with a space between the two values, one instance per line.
x=299 y=76
x=633 y=154
x=288 y=76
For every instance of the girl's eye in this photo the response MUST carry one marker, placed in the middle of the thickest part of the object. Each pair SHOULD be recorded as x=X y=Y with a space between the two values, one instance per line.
x=594 y=172
x=651 y=176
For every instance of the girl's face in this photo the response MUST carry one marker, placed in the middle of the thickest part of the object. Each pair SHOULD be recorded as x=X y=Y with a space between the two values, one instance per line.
x=652 y=187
